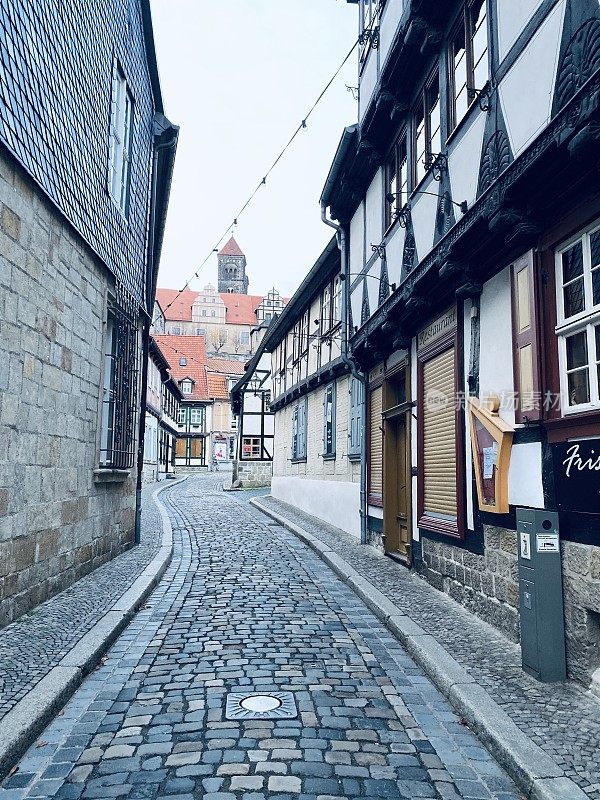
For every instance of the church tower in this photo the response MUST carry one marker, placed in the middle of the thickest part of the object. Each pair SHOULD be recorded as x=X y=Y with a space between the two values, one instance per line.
x=232 y=269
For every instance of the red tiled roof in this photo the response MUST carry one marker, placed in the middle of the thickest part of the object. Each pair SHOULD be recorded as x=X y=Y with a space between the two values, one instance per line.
x=217 y=386
x=193 y=349
x=232 y=248
x=176 y=307
x=225 y=366
x=240 y=308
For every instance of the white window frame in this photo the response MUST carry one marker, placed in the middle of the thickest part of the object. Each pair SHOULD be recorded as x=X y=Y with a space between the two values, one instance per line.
x=585 y=320
x=184 y=387
x=121 y=129
x=196 y=417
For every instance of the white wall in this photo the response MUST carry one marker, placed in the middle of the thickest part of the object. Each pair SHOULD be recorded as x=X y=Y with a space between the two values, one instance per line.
x=525 y=476
x=495 y=355
x=374 y=209
x=335 y=502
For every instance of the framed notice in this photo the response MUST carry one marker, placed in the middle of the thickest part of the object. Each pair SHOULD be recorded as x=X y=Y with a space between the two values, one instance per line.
x=491 y=443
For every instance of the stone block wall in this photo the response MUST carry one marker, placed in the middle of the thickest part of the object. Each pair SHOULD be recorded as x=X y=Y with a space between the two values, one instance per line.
x=253 y=474
x=56 y=523
x=488 y=586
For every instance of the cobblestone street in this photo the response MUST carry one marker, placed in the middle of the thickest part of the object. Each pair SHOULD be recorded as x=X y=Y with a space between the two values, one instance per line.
x=246 y=608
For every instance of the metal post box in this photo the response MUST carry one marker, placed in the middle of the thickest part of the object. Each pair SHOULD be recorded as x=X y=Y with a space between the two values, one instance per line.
x=541 y=595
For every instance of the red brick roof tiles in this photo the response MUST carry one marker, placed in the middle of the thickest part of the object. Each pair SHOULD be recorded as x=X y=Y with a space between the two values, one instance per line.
x=193 y=350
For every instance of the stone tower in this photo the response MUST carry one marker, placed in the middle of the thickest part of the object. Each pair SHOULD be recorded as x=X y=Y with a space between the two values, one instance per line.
x=232 y=269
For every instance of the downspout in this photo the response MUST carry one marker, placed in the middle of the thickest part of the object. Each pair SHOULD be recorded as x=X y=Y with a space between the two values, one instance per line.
x=342 y=241
x=170 y=143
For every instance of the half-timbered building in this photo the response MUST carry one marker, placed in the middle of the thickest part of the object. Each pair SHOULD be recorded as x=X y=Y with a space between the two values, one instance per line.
x=467 y=199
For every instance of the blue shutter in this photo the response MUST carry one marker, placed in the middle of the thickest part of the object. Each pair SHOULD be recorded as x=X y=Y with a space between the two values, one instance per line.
x=302 y=428
x=356 y=392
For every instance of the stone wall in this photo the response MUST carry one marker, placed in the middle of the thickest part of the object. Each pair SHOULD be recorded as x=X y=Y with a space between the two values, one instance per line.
x=252 y=474
x=487 y=585
x=56 y=523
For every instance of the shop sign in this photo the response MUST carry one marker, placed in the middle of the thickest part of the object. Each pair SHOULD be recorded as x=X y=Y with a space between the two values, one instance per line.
x=436 y=329
x=577 y=475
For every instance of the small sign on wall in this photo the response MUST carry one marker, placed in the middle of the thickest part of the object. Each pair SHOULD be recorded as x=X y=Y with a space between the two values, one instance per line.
x=577 y=475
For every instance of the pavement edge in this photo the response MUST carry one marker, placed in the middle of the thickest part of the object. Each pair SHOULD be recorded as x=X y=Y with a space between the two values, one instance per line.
x=534 y=772
x=25 y=721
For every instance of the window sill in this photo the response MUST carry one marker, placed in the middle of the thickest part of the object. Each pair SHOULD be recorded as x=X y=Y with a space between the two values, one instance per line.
x=468 y=115
x=353 y=456
x=108 y=475
x=298 y=460
x=328 y=456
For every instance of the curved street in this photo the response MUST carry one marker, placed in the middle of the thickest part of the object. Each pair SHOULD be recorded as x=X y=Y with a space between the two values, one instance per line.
x=245 y=608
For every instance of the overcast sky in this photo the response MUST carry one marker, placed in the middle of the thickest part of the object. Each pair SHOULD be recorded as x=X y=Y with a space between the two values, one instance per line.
x=238 y=76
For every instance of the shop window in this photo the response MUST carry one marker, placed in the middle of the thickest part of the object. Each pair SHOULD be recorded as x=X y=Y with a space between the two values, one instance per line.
x=251 y=448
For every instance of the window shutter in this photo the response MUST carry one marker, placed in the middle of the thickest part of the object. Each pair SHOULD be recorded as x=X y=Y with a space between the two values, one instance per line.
x=528 y=403
x=376 y=444
x=356 y=389
x=439 y=436
x=302 y=427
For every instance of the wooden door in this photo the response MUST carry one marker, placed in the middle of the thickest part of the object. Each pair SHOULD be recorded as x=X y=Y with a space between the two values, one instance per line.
x=397 y=505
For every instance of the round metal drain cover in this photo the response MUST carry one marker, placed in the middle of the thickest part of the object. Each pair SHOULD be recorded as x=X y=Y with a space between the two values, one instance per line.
x=260 y=705
x=261 y=702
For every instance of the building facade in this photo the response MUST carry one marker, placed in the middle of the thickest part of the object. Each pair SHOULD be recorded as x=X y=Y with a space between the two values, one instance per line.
x=471 y=216
x=222 y=374
x=225 y=317
x=163 y=397
x=316 y=454
x=79 y=259
x=251 y=407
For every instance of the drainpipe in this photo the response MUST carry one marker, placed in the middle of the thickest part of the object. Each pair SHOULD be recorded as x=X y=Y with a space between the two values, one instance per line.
x=342 y=241
x=150 y=277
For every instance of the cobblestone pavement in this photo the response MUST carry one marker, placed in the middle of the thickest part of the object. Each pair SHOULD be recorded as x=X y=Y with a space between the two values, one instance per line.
x=36 y=642
x=246 y=607
x=562 y=719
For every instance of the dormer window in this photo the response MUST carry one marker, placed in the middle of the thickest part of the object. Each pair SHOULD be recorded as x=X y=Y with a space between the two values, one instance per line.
x=186 y=386
x=183 y=361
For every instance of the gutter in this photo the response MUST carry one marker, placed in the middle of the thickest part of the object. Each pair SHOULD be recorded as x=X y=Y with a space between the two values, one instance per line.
x=342 y=241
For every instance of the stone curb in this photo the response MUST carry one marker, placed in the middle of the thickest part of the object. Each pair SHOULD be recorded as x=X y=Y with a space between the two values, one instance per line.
x=534 y=772
x=25 y=721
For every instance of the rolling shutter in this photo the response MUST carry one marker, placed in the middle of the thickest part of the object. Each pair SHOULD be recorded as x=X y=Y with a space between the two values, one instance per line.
x=439 y=436
x=376 y=444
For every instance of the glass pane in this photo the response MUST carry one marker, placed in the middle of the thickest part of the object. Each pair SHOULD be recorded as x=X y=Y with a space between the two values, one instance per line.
x=596 y=286
x=481 y=72
x=597 y=332
x=572 y=262
x=403 y=178
x=595 y=248
x=577 y=355
x=573 y=298
x=479 y=32
x=460 y=75
x=461 y=104
x=435 y=144
x=578 y=387
x=420 y=146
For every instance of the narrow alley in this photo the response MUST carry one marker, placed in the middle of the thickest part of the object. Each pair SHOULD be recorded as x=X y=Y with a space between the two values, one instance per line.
x=245 y=608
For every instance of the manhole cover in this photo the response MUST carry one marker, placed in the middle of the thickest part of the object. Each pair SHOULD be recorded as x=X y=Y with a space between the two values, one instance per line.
x=260 y=705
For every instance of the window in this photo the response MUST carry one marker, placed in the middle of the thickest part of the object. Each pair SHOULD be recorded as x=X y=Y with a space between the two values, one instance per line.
x=251 y=447
x=329 y=421
x=267 y=402
x=299 y=430
x=426 y=128
x=119 y=387
x=326 y=309
x=245 y=337
x=396 y=180
x=120 y=141
x=468 y=62
x=578 y=328
x=181 y=416
x=186 y=387
x=234 y=423
x=175 y=330
x=183 y=361
x=196 y=416
x=337 y=301
x=304 y=333
x=200 y=331
x=356 y=422
x=369 y=21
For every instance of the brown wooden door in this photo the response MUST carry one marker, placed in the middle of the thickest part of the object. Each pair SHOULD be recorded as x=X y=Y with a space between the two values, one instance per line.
x=397 y=507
